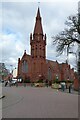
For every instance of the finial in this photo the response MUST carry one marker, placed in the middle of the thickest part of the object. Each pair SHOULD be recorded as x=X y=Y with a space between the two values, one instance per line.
x=24 y=52
x=45 y=36
x=18 y=59
x=66 y=61
x=31 y=35
x=38 y=4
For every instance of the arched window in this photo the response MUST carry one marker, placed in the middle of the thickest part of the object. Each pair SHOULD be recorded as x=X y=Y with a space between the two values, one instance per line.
x=24 y=66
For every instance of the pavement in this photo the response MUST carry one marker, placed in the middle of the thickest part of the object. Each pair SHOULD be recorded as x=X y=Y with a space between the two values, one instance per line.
x=38 y=102
x=1 y=95
x=72 y=91
x=0 y=91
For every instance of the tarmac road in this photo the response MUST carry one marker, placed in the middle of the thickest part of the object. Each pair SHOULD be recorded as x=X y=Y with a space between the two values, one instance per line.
x=35 y=102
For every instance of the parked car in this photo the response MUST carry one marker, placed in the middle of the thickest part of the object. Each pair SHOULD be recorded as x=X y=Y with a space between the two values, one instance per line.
x=19 y=80
x=13 y=82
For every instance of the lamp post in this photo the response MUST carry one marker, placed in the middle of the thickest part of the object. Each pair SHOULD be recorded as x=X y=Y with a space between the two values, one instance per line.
x=56 y=77
x=49 y=74
x=2 y=75
x=11 y=69
x=75 y=56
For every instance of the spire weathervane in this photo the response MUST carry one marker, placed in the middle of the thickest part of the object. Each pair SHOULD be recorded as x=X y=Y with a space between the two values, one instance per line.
x=38 y=4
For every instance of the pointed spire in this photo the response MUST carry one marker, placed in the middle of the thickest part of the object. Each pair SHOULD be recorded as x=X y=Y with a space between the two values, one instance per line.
x=18 y=60
x=38 y=25
x=24 y=52
x=38 y=14
x=31 y=36
x=45 y=36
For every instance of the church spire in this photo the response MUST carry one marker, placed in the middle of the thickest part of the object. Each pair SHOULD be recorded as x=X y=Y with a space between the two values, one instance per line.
x=38 y=39
x=38 y=25
x=38 y=14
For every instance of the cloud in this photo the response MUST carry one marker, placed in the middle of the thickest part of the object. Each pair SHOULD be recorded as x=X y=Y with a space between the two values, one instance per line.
x=37 y=1
x=18 y=19
x=10 y=48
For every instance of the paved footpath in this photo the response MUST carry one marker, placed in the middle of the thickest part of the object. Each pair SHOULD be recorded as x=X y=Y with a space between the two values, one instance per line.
x=34 y=102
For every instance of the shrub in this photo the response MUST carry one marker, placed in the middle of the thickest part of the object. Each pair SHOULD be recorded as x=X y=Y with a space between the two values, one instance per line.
x=56 y=81
x=40 y=81
x=27 y=81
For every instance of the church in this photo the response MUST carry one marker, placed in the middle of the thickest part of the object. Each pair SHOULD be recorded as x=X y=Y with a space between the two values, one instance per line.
x=35 y=66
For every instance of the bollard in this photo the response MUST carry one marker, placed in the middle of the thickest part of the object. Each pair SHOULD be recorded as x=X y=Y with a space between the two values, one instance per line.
x=62 y=87
x=16 y=84
x=24 y=84
x=70 y=89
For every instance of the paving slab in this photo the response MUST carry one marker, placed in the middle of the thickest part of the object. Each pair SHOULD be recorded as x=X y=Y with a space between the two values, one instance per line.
x=35 y=102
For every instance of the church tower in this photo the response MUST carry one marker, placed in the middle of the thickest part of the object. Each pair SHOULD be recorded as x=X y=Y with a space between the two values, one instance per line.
x=38 y=40
x=38 y=49
x=35 y=67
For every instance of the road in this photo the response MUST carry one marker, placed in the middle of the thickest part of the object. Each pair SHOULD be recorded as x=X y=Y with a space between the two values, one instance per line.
x=35 y=102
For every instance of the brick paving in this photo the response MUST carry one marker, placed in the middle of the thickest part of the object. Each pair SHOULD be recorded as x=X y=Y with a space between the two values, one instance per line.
x=35 y=102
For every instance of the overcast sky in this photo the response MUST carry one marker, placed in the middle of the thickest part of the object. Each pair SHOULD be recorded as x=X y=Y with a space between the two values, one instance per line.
x=18 y=20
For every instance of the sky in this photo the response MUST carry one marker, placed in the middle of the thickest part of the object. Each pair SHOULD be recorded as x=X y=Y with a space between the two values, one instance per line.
x=17 y=20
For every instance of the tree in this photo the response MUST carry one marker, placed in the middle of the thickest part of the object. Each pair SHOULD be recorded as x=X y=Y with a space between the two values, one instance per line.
x=3 y=71
x=67 y=38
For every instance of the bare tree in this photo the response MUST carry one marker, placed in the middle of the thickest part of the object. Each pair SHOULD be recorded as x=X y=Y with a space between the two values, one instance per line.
x=66 y=39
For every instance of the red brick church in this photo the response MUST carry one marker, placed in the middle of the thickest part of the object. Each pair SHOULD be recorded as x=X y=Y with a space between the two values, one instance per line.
x=36 y=66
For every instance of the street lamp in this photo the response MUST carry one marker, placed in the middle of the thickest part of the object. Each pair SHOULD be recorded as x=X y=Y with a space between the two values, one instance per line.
x=75 y=56
x=49 y=74
x=11 y=68
x=57 y=77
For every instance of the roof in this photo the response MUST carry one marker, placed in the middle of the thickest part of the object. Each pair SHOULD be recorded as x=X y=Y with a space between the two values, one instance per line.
x=26 y=56
x=38 y=25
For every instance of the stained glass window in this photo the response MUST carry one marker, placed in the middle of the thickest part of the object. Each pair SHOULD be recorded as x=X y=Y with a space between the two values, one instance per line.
x=24 y=67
